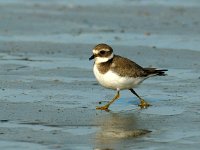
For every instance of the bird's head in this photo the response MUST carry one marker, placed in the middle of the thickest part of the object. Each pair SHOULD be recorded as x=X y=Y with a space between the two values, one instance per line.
x=102 y=53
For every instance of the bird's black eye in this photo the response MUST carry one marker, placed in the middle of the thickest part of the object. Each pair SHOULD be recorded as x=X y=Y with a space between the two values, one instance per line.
x=102 y=52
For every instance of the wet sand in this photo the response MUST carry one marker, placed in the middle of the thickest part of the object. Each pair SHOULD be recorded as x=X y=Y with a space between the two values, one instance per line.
x=49 y=93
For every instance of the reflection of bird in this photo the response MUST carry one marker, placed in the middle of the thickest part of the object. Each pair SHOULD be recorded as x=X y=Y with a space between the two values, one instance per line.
x=115 y=128
x=119 y=73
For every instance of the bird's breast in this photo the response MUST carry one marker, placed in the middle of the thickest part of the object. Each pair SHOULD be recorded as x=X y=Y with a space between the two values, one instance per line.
x=112 y=80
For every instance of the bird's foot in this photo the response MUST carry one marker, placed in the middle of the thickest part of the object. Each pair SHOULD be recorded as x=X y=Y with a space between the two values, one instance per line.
x=105 y=107
x=143 y=104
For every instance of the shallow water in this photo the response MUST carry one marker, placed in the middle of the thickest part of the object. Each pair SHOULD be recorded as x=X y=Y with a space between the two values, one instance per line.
x=160 y=41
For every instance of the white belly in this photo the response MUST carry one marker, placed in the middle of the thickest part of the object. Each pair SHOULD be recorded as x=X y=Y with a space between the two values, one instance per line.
x=114 y=81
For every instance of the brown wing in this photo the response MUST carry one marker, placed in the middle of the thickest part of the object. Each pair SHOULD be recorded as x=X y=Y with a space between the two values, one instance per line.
x=126 y=67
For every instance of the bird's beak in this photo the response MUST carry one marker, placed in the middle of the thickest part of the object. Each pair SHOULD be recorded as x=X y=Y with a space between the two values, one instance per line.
x=92 y=57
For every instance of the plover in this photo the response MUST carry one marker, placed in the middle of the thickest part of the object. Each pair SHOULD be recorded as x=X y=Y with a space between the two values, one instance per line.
x=119 y=73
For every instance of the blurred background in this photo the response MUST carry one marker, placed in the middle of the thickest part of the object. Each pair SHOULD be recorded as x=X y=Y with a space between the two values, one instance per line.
x=48 y=93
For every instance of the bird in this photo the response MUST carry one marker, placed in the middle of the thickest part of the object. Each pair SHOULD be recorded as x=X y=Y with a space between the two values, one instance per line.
x=119 y=73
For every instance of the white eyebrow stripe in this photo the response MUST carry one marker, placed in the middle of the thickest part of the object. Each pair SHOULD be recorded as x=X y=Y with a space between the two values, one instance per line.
x=107 y=50
x=97 y=51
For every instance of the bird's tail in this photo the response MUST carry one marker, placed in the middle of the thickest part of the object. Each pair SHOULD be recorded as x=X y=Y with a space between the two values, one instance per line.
x=154 y=71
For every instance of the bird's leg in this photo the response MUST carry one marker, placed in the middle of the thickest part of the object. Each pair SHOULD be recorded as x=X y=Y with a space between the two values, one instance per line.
x=143 y=103
x=105 y=107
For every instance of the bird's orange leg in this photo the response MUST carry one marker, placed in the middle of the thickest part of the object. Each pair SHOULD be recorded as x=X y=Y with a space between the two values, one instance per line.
x=143 y=103
x=105 y=107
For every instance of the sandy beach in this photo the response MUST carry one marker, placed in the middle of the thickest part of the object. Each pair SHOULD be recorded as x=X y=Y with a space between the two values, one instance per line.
x=48 y=93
